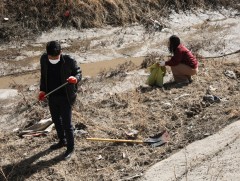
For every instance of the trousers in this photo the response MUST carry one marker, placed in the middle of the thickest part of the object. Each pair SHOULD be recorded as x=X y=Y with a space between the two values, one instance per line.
x=182 y=72
x=61 y=113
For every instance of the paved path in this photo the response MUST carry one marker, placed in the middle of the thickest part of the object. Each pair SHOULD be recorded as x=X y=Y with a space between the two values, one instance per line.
x=216 y=157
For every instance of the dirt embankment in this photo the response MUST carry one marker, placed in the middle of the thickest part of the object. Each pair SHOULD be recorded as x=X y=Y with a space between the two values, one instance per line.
x=24 y=19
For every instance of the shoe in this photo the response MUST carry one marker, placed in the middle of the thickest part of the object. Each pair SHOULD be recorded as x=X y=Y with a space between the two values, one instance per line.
x=58 y=145
x=68 y=154
x=180 y=84
x=169 y=84
x=190 y=80
x=184 y=82
x=175 y=84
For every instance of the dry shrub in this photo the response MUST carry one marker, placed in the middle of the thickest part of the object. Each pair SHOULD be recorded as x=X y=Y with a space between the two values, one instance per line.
x=29 y=17
x=187 y=119
x=83 y=10
x=195 y=47
x=2 y=8
x=99 y=10
x=119 y=71
x=151 y=59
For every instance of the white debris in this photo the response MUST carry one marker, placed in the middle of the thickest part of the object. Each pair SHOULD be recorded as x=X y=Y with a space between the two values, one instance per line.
x=8 y=93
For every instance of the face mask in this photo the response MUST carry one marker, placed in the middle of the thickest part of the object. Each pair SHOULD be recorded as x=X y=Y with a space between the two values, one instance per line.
x=54 y=61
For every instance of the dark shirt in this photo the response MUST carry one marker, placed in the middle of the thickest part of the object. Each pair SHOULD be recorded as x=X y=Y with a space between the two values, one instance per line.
x=54 y=79
x=68 y=67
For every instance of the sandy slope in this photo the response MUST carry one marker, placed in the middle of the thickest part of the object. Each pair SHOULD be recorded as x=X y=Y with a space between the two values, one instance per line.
x=216 y=157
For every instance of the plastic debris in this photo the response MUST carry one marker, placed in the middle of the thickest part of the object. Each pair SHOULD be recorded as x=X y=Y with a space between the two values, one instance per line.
x=211 y=98
x=230 y=74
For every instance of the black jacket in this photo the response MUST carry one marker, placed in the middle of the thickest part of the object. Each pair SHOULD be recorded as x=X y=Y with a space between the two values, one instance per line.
x=69 y=68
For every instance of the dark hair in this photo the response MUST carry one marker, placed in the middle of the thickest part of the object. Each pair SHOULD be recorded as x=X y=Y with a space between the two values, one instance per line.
x=174 y=42
x=53 y=48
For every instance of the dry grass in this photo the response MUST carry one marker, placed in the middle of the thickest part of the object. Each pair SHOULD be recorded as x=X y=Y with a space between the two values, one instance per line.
x=28 y=17
x=111 y=114
x=2 y=8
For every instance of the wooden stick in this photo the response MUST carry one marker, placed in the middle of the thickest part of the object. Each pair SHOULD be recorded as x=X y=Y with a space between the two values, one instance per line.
x=115 y=140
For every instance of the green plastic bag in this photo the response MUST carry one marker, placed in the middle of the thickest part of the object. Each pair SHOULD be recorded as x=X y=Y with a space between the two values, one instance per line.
x=156 y=75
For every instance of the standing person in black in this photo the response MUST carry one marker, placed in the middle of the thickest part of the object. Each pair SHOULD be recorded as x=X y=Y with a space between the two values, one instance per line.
x=57 y=69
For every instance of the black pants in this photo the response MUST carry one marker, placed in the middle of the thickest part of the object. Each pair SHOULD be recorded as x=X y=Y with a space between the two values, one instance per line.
x=61 y=113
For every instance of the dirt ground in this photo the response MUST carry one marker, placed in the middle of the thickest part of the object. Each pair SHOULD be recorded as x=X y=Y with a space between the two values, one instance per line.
x=111 y=105
x=103 y=112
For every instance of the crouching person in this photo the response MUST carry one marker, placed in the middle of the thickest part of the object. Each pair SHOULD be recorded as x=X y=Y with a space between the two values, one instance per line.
x=183 y=64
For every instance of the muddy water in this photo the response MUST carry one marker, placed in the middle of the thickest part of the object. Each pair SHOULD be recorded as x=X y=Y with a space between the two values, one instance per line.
x=198 y=31
x=88 y=69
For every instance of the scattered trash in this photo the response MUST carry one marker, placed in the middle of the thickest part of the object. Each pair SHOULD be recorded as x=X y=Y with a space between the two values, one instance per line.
x=40 y=129
x=79 y=129
x=132 y=133
x=207 y=134
x=211 y=88
x=63 y=41
x=230 y=74
x=80 y=132
x=156 y=24
x=124 y=155
x=166 y=105
x=183 y=95
x=211 y=98
x=132 y=177
x=99 y=157
x=5 y=19
x=16 y=130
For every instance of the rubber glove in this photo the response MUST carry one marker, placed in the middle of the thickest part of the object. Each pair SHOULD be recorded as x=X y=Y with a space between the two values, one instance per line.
x=72 y=80
x=41 y=96
x=162 y=63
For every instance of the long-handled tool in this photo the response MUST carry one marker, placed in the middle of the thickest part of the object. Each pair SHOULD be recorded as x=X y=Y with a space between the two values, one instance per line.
x=154 y=142
x=56 y=89
x=30 y=106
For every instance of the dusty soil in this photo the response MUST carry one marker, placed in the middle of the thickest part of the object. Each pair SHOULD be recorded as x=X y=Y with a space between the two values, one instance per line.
x=109 y=105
